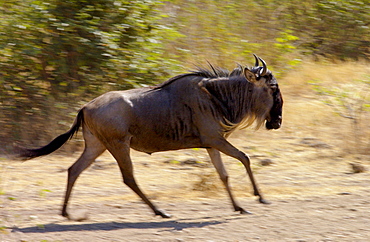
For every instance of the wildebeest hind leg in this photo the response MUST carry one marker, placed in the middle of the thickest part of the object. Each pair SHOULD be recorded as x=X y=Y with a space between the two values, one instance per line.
x=217 y=162
x=93 y=148
x=121 y=152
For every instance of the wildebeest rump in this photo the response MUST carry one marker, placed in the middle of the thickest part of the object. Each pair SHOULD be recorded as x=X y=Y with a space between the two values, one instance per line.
x=198 y=109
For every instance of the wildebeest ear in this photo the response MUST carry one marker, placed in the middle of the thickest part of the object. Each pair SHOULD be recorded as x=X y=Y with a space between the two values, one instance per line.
x=251 y=77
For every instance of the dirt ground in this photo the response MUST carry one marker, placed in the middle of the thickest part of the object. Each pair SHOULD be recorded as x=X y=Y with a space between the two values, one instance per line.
x=314 y=194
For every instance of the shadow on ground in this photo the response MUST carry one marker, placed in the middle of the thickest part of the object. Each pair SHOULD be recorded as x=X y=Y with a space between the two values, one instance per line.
x=172 y=225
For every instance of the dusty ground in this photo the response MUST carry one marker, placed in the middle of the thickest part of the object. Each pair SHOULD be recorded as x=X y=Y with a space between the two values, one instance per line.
x=314 y=194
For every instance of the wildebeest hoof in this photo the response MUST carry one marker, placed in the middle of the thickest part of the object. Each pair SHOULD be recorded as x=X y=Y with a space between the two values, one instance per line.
x=261 y=200
x=66 y=215
x=242 y=211
x=162 y=214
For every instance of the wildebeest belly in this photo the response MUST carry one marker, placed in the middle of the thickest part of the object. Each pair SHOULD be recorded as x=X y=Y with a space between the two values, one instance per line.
x=150 y=144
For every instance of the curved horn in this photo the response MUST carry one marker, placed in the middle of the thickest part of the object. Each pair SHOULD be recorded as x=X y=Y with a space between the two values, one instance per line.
x=264 y=69
x=256 y=57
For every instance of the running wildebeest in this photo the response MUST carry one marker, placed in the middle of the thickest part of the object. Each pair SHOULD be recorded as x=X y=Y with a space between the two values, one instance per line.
x=198 y=109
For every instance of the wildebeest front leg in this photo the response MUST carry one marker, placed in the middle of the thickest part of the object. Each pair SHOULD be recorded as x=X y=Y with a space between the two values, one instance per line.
x=121 y=152
x=225 y=147
x=217 y=162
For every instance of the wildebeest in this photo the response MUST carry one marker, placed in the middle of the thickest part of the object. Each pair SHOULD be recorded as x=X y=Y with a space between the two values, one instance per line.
x=198 y=109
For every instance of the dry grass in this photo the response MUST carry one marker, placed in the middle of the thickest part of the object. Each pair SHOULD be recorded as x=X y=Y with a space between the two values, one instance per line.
x=298 y=81
x=207 y=182
x=307 y=113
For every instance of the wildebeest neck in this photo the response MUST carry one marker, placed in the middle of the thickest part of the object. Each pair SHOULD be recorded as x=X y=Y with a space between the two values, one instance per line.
x=240 y=101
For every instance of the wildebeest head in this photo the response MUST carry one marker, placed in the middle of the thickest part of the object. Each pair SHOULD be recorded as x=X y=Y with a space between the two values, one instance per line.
x=263 y=77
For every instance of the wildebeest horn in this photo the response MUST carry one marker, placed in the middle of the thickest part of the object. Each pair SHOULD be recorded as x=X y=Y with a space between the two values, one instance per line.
x=257 y=62
x=264 y=70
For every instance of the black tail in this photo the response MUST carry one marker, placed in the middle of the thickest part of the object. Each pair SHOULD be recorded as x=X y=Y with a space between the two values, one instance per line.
x=26 y=154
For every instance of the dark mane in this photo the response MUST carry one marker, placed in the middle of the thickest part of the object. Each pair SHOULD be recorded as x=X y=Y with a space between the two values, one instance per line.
x=211 y=73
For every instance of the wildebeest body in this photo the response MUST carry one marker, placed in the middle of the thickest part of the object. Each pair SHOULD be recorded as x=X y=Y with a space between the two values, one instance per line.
x=194 y=110
x=152 y=118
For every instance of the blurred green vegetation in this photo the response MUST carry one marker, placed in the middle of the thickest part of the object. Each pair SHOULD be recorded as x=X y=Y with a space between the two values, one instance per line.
x=57 y=54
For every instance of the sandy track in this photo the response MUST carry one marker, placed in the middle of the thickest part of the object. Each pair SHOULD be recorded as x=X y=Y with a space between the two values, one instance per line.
x=314 y=196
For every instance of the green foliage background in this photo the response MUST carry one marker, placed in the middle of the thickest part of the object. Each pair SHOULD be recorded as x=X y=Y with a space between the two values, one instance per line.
x=57 y=54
